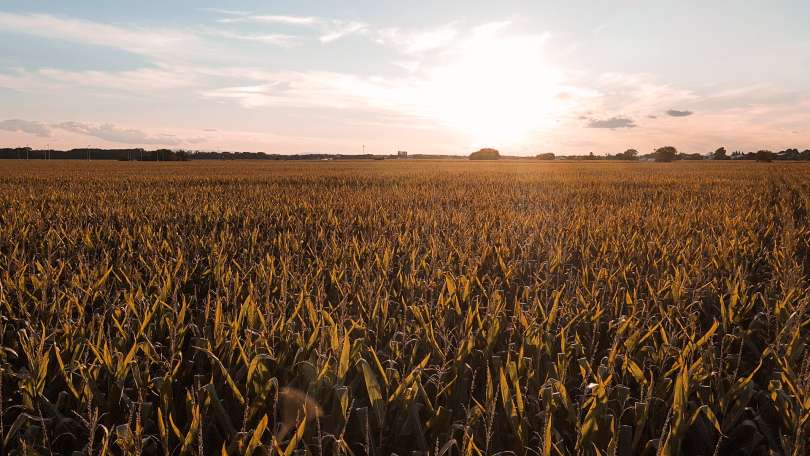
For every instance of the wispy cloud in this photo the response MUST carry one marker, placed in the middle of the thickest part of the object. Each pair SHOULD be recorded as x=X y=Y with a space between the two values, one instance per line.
x=26 y=126
x=676 y=113
x=149 y=42
x=419 y=41
x=636 y=94
x=142 y=80
x=490 y=81
x=463 y=87
x=226 y=12
x=138 y=80
x=273 y=19
x=599 y=29
x=330 y=30
x=612 y=123
x=339 y=29
x=306 y=89
x=106 y=131
x=113 y=133
x=274 y=39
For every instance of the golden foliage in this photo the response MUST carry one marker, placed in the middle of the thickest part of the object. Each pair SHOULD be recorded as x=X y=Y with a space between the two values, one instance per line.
x=379 y=307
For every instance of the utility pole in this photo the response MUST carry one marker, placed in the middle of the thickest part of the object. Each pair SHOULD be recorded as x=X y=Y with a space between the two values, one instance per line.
x=364 y=149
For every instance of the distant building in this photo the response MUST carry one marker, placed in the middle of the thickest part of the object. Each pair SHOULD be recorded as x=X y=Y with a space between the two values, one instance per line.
x=402 y=154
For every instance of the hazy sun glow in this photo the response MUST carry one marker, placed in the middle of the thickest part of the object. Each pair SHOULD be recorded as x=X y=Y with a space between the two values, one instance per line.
x=293 y=77
x=493 y=89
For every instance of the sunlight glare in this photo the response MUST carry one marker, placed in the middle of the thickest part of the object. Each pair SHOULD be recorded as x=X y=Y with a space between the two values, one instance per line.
x=494 y=89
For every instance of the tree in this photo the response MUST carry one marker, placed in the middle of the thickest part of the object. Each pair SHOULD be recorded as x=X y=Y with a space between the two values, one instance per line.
x=485 y=154
x=720 y=154
x=546 y=156
x=629 y=154
x=764 y=156
x=665 y=154
x=788 y=154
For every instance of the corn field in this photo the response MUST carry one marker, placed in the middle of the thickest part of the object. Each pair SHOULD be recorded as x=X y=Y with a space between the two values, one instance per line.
x=410 y=308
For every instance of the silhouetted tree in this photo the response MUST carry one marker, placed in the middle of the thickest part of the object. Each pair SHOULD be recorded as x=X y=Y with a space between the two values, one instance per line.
x=720 y=154
x=788 y=154
x=629 y=154
x=695 y=156
x=665 y=154
x=546 y=156
x=764 y=156
x=485 y=154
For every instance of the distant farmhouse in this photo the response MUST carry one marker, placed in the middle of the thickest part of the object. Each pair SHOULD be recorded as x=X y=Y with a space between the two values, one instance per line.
x=402 y=154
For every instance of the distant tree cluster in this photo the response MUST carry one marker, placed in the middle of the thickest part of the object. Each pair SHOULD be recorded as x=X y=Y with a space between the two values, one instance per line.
x=661 y=154
x=629 y=154
x=485 y=154
x=665 y=154
x=669 y=154
x=27 y=153
x=201 y=155
x=767 y=155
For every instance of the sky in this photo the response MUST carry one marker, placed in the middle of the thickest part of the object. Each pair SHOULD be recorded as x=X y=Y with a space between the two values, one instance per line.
x=444 y=77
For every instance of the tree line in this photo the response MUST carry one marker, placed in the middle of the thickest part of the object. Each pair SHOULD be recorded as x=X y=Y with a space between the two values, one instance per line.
x=27 y=153
x=661 y=154
x=670 y=154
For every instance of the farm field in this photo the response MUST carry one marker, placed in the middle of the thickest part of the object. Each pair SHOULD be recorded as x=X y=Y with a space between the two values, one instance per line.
x=379 y=307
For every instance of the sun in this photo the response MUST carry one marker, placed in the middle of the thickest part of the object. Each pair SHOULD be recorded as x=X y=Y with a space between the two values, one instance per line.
x=494 y=89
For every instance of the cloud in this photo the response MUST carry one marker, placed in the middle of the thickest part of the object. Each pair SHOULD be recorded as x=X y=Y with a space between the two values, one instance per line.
x=142 y=79
x=419 y=41
x=339 y=29
x=411 y=66
x=225 y=12
x=106 y=131
x=275 y=39
x=304 y=90
x=26 y=126
x=149 y=42
x=405 y=41
x=676 y=113
x=488 y=84
x=330 y=29
x=491 y=81
x=599 y=29
x=612 y=123
x=635 y=94
x=110 y=132
x=265 y=19
x=20 y=79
